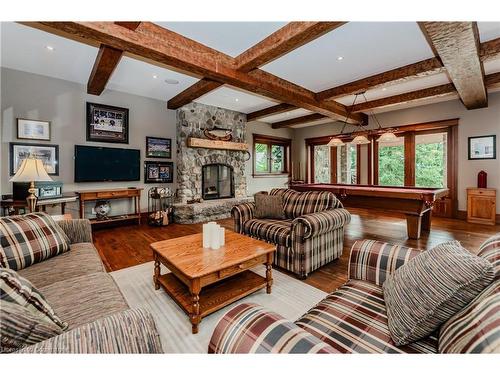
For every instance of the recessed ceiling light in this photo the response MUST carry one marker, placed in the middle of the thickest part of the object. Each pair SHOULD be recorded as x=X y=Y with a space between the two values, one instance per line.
x=155 y=76
x=50 y=48
x=236 y=100
x=171 y=81
x=340 y=58
x=384 y=88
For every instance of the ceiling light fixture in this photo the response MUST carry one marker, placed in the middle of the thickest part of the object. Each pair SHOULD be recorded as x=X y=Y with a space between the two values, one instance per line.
x=335 y=140
x=236 y=100
x=171 y=81
x=384 y=88
x=340 y=58
x=155 y=76
x=50 y=48
x=386 y=134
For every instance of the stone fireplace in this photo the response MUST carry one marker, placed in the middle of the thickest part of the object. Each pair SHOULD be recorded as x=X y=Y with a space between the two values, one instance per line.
x=196 y=164
x=217 y=181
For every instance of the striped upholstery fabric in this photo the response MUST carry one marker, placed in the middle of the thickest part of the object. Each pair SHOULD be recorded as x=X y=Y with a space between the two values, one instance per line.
x=131 y=332
x=298 y=204
x=20 y=327
x=313 y=239
x=417 y=307
x=29 y=239
x=17 y=289
x=241 y=213
x=490 y=250
x=77 y=230
x=274 y=231
x=249 y=328
x=374 y=261
x=324 y=221
x=353 y=319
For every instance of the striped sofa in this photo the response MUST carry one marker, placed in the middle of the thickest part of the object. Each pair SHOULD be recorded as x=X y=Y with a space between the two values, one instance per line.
x=85 y=297
x=353 y=319
x=311 y=236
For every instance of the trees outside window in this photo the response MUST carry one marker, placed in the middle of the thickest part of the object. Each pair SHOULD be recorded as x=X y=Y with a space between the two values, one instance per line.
x=431 y=160
x=270 y=155
x=391 y=163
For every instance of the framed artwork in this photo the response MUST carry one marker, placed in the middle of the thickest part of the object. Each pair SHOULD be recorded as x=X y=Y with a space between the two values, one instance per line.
x=483 y=147
x=106 y=123
x=158 y=147
x=48 y=154
x=33 y=129
x=158 y=171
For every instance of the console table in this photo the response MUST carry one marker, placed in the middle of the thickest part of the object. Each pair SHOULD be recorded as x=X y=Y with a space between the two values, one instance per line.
x=108 y=194
x=15 y=206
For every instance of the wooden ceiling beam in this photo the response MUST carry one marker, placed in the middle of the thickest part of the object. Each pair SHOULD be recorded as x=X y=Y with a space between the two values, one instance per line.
x=266 y=112
x=398 y=75
x=159 y=45
x=457 y=45
x=298 y=121
x=490 y=50
x=279 y=43
x=105 y=63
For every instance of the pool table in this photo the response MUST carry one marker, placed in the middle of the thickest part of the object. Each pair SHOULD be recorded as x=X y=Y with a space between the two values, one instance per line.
x=415 y=203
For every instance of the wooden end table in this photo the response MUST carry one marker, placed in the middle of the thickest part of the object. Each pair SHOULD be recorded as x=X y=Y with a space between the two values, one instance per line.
x=203 y=281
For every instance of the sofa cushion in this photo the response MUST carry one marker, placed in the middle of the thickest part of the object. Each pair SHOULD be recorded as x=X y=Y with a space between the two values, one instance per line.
x=431 y=287
x=476 y=328
x=131 y=332
x=269 y=206
x=30 y=239
x=270 y=230
x=81 y=260
x=85 y=298
x=490 y=250
x=353 y=319
x=17 y=289
x=20 y=327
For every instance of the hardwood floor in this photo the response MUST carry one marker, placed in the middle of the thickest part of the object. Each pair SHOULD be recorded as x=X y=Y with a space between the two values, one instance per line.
x=128 y=246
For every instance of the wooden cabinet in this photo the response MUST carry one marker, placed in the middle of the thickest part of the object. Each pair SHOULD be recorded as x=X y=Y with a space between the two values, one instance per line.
x=481 y=206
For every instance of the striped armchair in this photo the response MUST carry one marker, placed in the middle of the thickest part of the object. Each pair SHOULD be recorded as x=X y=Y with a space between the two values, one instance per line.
x=353 y=319
x=311 y=236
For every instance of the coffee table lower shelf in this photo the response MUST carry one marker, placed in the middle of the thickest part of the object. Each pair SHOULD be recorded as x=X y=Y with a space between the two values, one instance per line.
x=215 y=296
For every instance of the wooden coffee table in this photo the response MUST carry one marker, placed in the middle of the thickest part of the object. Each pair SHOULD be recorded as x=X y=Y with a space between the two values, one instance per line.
x=203 y=281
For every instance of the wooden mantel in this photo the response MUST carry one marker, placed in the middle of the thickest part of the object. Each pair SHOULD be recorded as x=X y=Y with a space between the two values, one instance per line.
x=219 y=145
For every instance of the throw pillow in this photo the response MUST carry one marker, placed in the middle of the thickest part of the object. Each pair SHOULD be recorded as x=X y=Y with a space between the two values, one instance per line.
x=17 y=289
x=268 y=206
x=30 y=239
x=476 y=328
x=20 y=327
x=430 y=288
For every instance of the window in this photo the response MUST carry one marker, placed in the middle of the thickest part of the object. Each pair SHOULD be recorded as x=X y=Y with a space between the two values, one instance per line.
x=322 y=164
x=347 y=159
x=431 y=160
x=391 y=163
x=270 y=155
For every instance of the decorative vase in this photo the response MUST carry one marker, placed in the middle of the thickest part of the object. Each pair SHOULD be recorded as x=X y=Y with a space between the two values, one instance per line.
x=482 y=180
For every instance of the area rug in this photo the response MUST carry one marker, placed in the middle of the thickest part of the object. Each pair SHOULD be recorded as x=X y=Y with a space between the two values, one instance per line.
x=290 y=298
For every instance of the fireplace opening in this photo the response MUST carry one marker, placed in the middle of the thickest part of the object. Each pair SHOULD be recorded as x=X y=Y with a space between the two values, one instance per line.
x=217 y=181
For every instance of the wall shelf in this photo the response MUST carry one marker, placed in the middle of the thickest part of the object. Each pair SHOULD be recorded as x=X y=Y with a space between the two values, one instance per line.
x=219 y=145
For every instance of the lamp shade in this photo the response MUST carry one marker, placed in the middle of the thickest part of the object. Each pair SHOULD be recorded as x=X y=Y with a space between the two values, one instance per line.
x=360 y=140
x=31 y=169
x=335 y=142
x=387 y=137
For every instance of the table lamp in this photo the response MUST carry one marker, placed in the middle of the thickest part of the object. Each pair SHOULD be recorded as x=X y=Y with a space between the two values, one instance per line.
x=31 y=170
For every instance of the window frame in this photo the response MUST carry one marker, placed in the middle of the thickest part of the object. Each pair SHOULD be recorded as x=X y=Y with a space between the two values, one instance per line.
x=272 y=141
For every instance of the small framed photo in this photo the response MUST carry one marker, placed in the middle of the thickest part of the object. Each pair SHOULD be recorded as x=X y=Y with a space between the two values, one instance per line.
x=158 y=171
x=48 y=154
x=106 y=123
x=33 y=129
x=483 y=147
x=158 y=147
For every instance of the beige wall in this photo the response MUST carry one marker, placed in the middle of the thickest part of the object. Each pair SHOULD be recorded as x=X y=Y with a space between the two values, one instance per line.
x=256 y=184
x=484 y=121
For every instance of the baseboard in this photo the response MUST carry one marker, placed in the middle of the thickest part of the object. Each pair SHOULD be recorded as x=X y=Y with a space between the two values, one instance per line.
x=462 y=215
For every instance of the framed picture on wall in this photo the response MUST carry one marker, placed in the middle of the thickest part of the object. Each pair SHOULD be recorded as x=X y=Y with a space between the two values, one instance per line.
x=483 y=147
x=158 y=147
x=33 y=129
x=48 y=154
x=158 y=171
x=106 y=123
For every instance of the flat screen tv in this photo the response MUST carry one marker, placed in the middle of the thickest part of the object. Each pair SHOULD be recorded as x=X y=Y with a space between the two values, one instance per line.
x=93 y=164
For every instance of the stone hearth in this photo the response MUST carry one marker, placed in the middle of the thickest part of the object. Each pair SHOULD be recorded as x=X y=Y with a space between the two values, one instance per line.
x=206 y=211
